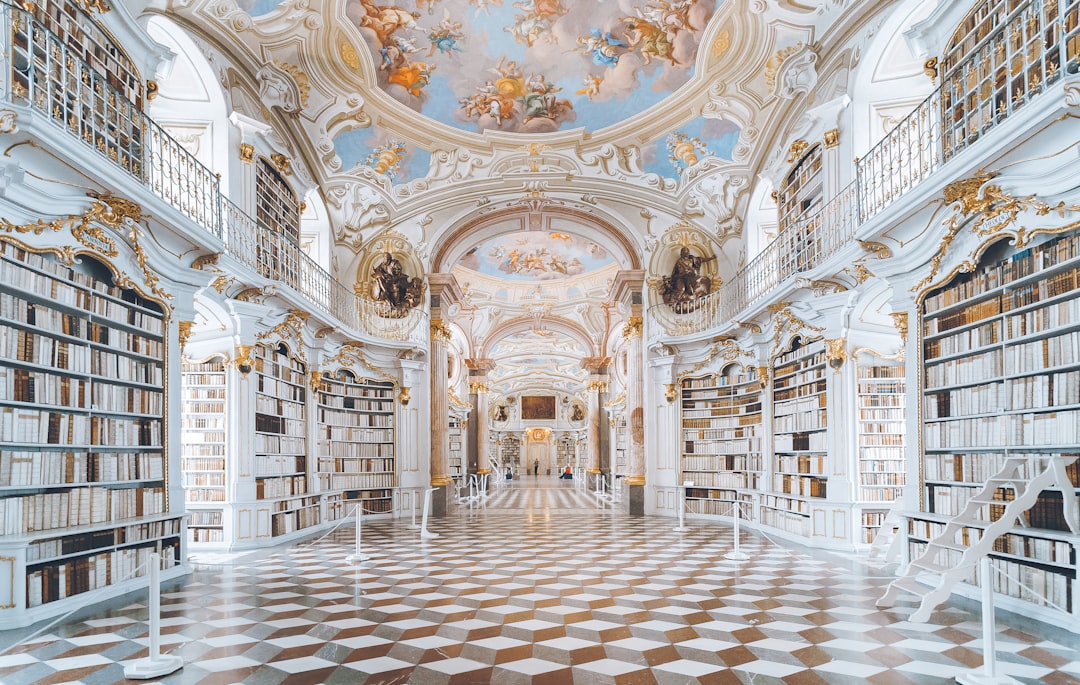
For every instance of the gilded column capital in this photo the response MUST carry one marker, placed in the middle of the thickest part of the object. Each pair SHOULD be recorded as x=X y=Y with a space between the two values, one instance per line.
x=184 y=332
x=633 y=328
x=440 y=331
x=835 y=352
x=441 y=481
x=478 y=387
x=634 y=480
x=596 y=386
x=900 y=322
x=247 y=152
x=832 y=138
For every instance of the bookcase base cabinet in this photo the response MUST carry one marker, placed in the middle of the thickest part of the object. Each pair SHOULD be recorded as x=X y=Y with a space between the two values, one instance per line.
x=45 y=587
x=826 y=526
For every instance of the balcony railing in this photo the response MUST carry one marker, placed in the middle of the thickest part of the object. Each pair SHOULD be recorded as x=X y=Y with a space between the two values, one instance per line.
x=1030 y=50
x=50 y=77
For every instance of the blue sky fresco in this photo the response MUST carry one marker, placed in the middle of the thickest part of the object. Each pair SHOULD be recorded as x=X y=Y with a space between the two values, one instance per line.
x=533 y=255
x=354 y=148
x=708 y=137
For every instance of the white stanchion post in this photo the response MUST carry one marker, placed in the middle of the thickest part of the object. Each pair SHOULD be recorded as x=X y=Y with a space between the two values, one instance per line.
x=682 y=506
x=735 y=554
x=156 y=664
x=424 y=532
x=989 y=674
x=358 y=554
x=412 y=509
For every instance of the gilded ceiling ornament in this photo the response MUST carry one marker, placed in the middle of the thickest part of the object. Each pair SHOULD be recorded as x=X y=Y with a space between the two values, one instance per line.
x=203 y=261
x=221 y=283
x=440 y=331
x=247 y=152
x=349 y=56
x=859 y=272
x=350 y=355
x=184 y=332
x=303 y=84
x=879 y=250
x=750 y=326
x=324 y=332
x=796 y=150
x=713 y=351
x=289 y=330
x=835 y=352
x=7 y=121
x=282 y=163
x=633 y=327
x=599 y=387
x=456 y=401
x=966 y=192
x=787 y=325
x=151 y=90
x=821 y=286
x=832 y=138
x=730 y=351
x=149 y=276
x=111 y=210
x=900 y=322
x=255 y=295
x=772 y=66
x=930 y=68
x=722 y=43
x=778 y=306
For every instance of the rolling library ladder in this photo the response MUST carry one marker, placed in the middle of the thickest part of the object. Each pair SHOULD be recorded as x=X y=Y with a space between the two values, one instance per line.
x=952 y=555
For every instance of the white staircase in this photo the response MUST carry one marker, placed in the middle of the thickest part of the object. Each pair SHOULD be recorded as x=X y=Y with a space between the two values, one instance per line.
x=1026 y=476
x=886 y=545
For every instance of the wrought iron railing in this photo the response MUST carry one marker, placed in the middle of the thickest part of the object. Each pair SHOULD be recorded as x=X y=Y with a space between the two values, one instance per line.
x=50 y=77
x=1030 y=50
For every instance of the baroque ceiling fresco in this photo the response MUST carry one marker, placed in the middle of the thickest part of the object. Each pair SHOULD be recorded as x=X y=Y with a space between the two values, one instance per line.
x=536 y=256
x=538 y=357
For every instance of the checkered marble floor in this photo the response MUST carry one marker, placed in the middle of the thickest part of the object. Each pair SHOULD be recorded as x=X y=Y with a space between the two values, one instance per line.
x=535 y=596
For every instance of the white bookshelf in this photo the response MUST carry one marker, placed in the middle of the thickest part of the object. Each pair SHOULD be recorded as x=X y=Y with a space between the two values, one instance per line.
x=620 y=430
x=281 y=465
x=1001 y=380
x=881 y=414
x=83 y=475
x=456 y=456
x=800 y=425
x=721 y=441
x=356 y=463
x=203 y=453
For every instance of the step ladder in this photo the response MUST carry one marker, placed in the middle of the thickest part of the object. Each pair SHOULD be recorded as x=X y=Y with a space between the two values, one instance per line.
x=885 y=549
x=1026 y=476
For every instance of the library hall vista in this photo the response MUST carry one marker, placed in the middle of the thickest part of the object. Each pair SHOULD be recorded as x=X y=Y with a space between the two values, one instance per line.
x=539 y=341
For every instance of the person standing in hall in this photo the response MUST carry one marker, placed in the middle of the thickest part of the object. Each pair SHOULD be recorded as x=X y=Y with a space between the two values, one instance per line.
x=536 y=467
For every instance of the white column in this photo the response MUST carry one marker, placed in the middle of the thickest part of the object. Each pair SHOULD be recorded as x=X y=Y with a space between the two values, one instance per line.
x=440 y=406
x=634 y=399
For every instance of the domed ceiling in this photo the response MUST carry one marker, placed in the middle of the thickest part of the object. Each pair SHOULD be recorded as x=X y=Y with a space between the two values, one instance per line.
x=534 y=255
x=531 y=66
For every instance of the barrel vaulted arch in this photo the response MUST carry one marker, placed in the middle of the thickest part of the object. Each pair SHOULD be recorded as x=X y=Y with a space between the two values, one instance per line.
x=525 y=324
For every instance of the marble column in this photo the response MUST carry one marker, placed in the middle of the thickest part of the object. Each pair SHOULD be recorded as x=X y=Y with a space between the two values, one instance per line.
x=483 y=427
x=635 y=478
x=440 y=418
x=595 y=387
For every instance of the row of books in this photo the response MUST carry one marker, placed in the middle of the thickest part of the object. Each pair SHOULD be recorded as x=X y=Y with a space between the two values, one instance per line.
x=987 y=431
x=354 y=434
x=721 y=400
x=725 y=416
x=727 y=380
x=785 y=520
x=797 y=506
x=867 y=426
x=80 y=543
x=202 y=405
x=126 y=399
x=880 y=440
x=331 y=417
x=868 y=400
x=280 y=444
x=882 y=478
x=804 y=486
x=811 y=464
x=880 y=494
x=43 y=388
x=809 y=377
x=41 y=350
x=126 y=340
x=357 y=404
x=807 y=421
x=273 y=488
x=964 y=370
x=974 y=399
x=347 y=389
x=802 y=406
x=986 y=279
x=206 y=535
x=722 y=447
x=730 y=462
x=279 y=465
x=895 y=414
x=113 y=366
x=281 y=399
x=360 y=450
x=1042 y=319
x=204 y=428
x=210 y=449
x=204 y=480
x=295 y=504
x=77 y=507
x=206 y=384
x=57 y=581
x=876 y=371
x=800 y=442
x=267 y=423
x=191 y=464
x=1030 y=293
x=935 y=325
x=204 y=494
x=727 y=433
x=32 y=426
x=336 y=465
x=1060 y=350
x=117 y=312
x=34 y=468
x=205 y=517
x=1039 y=392
x=967 y=340
x=802 y=358
x=721 y=479
x=292 y=521
x=272 y=374
x=344 y=481
x=49 y=288
x=1047 y=428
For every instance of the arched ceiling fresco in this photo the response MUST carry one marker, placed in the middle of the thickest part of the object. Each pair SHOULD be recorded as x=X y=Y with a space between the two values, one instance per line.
x=537 y=358
x=536 y=256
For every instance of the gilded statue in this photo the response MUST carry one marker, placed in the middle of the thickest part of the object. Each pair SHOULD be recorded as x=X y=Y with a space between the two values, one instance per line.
x=686 y=285
x=390 y=284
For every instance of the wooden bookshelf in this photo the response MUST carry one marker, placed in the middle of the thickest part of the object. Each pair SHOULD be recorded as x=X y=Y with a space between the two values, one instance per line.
x=203 y=453
x=800 y=423
x=1001 y=380
x=721 y=440
x=281 y=464
x=356 y=464
x=83 y=475
x=881 y=407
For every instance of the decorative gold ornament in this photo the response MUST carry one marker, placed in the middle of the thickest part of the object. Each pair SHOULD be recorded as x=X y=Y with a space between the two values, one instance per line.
x=900 y=322
x=8 y=120
x=151 y=90
x=221 y=283
x=349 y=56
x=478 y=387
x=859 y=272
x=787 y=325
x=879 y=250
x=669 y=392
x=832 y=138
x=750 y=326
x=772 y=66
x=930 y=68
x=202 y=261
x=242 y=359
x=722 y=43
x=713 y=351
x=404 y=396
x=247 y=152
x=440 y=331
x=301 y=80
x=289 y=330
x=112 y=211
x=324 y=332
x=350 y=355
x=634 y=480
x=966 y=192
x=835 y=352
x=99 y=6
x=597 y=386
x=763 y=376
x=184 y=333
x=633 y=328
x=282 y=163
x=777 y=306
x=796 y=150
